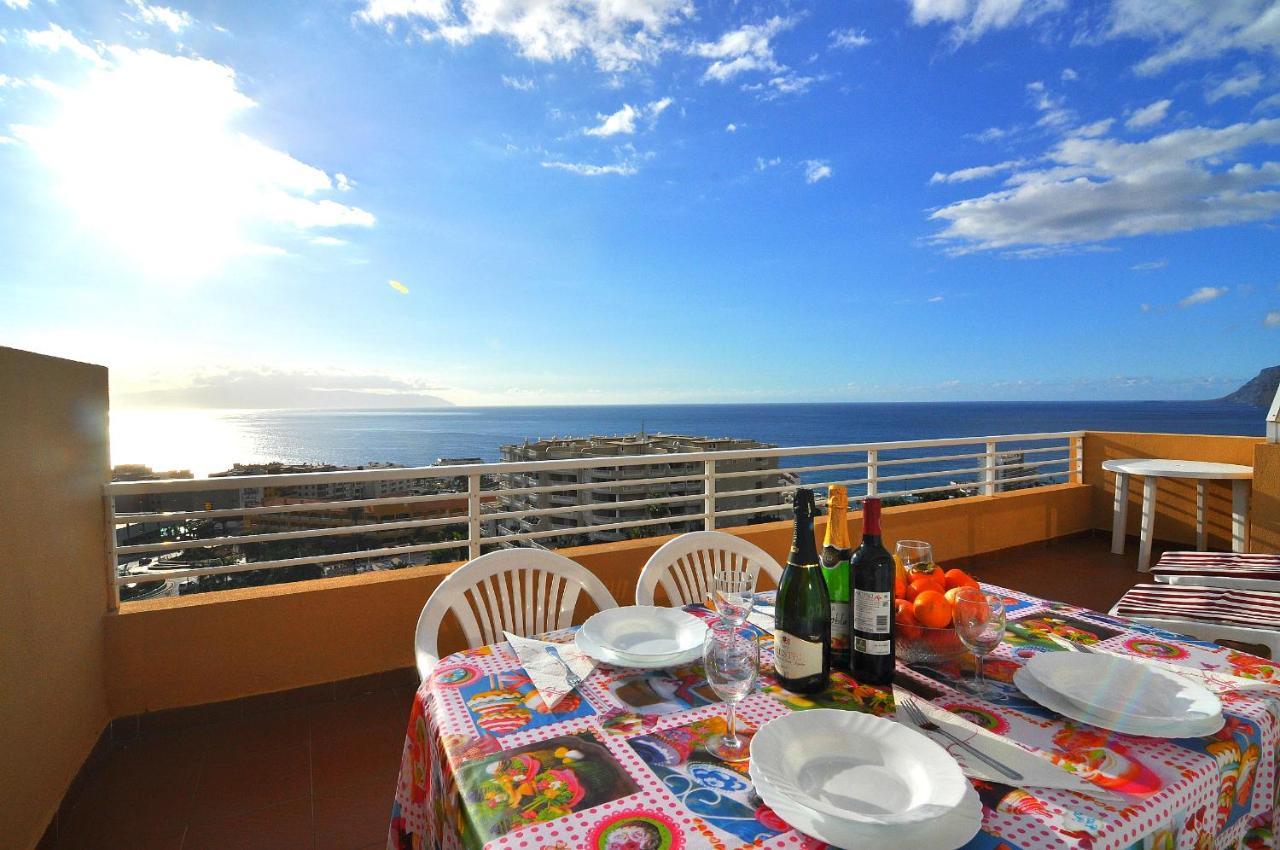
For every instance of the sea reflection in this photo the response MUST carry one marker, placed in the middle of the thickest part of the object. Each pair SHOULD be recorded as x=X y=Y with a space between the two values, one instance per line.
x=201 y=441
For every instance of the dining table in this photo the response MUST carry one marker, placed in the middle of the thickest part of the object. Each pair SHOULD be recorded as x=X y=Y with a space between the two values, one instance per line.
x=621 y=763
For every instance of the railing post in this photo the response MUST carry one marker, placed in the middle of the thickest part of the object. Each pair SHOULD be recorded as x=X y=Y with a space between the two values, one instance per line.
x=873 y=472
x=989 y=470
x=109 y=512
x=1075 y=459
x=473 y=516
x=709 y=495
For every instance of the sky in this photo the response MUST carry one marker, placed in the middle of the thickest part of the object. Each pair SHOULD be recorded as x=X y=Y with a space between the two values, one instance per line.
x=389 y=202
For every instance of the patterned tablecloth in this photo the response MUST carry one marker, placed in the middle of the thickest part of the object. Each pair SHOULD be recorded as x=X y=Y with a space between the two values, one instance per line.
x=621 y=765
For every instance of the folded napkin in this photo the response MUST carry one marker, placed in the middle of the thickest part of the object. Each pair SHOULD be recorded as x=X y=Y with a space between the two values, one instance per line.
x=1038 y=772
x=554 y=668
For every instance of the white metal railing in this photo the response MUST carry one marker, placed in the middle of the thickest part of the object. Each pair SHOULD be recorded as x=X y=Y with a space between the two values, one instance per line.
x=506 y=503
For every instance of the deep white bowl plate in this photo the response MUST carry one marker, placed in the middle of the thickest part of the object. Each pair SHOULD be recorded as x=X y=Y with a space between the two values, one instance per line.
x=646 y=632
x=948 y=832
x=1050 y=699
x=613 y=659
x=857 y=767
x=1118 y=688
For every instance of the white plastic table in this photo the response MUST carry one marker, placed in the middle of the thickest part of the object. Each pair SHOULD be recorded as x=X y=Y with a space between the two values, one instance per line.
x=1151 y=470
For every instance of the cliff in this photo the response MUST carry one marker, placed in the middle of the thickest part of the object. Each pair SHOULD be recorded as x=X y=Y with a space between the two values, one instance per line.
x=1260 y=391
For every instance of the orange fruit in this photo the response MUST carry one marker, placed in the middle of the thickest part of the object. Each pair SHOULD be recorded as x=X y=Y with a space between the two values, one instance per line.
x=959 y=578
x=905 y=621
x=951 y=596
x=932 y=609
x=919 y=586
x=899 y=589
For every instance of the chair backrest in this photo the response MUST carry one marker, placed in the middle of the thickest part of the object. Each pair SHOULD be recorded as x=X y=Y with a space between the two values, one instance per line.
x=685 y=566
x=522 y=591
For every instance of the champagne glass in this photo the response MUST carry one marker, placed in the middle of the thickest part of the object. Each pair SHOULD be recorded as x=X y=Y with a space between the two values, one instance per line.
x=916 y=556
x=733 y=592
x=980 y=621
x=731 y=659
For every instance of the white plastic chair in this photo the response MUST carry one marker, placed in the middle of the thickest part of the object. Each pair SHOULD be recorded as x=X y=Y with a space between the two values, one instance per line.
x=685 y=566
x=522 y=591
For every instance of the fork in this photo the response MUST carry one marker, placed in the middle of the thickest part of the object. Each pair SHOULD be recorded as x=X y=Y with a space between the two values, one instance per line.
x=571 y=677
x=919 y=719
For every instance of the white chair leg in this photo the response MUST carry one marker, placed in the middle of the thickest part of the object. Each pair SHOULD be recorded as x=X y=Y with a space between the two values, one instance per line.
x=1240 y=515
x=1148 y=522
x=1120 y=514
x=1202 y=537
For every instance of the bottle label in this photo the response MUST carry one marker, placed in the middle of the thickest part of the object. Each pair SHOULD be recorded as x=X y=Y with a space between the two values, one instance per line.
x=839 y=626
x=870 y=647
x=872 y=611
x=794 y=657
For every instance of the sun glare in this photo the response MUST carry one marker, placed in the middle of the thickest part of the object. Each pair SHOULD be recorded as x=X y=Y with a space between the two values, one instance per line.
x=148 y=156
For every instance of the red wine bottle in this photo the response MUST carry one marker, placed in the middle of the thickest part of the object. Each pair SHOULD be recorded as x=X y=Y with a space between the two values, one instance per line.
x=802 y=624
x=872 y=568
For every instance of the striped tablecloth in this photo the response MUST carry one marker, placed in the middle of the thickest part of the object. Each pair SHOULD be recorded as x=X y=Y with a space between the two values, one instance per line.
x=621 y=765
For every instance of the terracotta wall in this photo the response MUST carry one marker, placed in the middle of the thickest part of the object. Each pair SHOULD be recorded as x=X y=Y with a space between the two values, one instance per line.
x=53 y=463
x=190 y=650
x=1176 y=498
x=1264 y=504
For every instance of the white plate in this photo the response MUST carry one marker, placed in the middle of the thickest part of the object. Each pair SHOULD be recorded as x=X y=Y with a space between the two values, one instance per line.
x=1120 y=689
x=1041 y=693
x=857 y=767
x=613 y=659
x=952 y=830
x=645 y=632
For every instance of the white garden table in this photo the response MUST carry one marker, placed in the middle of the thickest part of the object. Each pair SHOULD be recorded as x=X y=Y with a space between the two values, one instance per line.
x=1151 y=470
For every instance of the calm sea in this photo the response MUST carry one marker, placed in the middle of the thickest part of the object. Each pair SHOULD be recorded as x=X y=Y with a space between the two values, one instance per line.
x=207 y=441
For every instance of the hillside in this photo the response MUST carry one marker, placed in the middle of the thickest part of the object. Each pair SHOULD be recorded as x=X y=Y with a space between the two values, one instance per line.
x=1259 y=391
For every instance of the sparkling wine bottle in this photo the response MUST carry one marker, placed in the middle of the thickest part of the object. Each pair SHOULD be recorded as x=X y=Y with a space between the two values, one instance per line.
x=836 y=551
x=802 y=625
x=872 y=568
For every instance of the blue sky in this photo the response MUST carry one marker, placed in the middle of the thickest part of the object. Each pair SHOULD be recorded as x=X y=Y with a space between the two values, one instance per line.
x=643 y=200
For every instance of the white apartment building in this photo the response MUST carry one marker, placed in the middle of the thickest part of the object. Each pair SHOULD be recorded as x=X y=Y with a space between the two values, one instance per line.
x=612 y=485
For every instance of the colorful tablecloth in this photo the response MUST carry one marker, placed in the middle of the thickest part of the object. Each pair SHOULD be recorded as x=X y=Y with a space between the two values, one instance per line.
x=621 y=763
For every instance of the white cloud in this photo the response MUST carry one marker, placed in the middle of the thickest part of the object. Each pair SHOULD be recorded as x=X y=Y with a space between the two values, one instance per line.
x=1092 y=190
x=970 y=19
x=849 y=39
x=1068 y=75
x=621 y=122
x=815 y=170
x=343 y=182
x=517 y=83
x=1242 y=85
x=586 y=169
x=55 y=39
x=11 y=82
x=17 y=4
x=147 y=154
x=731 y=128
x=763 y=164
x=8 y=140
x=1202 y=295
x=991 y=134
x=1097 y=128
x=1149 y=266
x=1187 y=30
x=1152 y=113
x=936 y=299
x=617 y=34
x=1272 y=319
x=744 y=49
x=173 y=19
x=328 y=241
x=964 y=175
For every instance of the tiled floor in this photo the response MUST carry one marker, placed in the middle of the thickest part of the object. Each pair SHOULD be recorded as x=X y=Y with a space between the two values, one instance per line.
x=317 y=768
x=291 y=773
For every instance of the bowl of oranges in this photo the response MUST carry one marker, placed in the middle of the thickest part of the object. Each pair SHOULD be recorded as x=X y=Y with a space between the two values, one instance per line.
x=925 y=602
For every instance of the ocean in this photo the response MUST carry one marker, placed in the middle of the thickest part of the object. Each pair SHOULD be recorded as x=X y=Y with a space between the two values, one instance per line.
x=205 y=441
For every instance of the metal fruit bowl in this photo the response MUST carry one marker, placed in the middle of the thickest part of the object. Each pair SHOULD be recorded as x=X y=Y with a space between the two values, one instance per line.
x=931 y=646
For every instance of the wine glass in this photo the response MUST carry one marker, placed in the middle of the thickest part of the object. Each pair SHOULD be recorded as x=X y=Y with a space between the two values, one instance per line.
x=731 y=659
x=916 y=556
x=980 y=621
x=733 y=592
